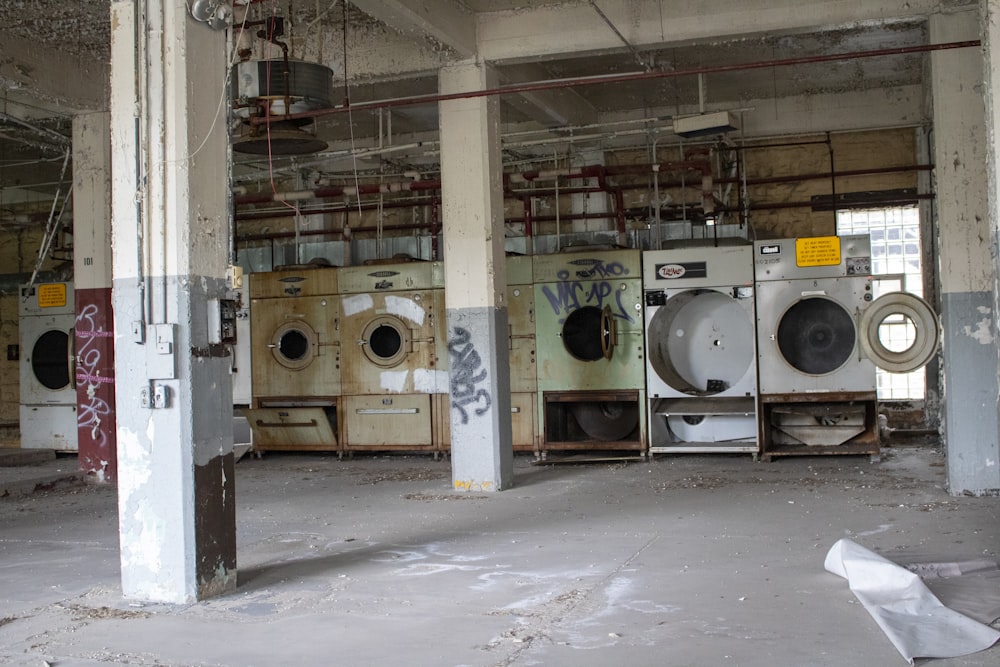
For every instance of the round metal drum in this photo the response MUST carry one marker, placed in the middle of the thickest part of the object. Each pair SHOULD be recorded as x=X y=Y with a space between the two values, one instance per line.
x=701 y=342
x=607 y=420
x=816 y=335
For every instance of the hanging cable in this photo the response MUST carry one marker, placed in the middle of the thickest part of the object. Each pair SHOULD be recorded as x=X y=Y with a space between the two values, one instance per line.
x=52 y=227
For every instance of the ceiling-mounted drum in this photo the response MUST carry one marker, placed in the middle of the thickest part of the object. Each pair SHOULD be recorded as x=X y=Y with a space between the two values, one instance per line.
x=901 y=310
x=607 y=421
x=589 y=333
x=294 y=344
x=816 y=335
x=701 y=342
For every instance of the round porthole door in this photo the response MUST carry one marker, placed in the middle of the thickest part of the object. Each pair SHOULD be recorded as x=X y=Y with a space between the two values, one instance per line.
x=589 y=333
x=50 y=359
x=900 y=332
x=294 y=344
x=385 y=341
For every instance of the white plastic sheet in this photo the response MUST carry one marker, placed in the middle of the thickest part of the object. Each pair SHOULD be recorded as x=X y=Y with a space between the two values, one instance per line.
x=916 y=622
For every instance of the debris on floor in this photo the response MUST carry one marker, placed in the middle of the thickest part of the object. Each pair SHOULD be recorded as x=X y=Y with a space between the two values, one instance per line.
x=913 y=618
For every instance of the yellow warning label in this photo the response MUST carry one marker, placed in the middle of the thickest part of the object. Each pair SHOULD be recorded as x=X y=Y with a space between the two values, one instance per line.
x=817 y=251
x=52 y=295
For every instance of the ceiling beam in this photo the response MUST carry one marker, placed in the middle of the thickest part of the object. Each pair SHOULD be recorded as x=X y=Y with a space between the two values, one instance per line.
x=551 y=108
x=441 y=20
x=49 y=82
x=547 y=31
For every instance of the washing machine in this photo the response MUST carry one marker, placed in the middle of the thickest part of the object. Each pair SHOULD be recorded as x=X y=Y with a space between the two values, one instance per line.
x=818 y=344
x=295 y=359
x=523 y=379
x=589 y=350
x=395 y=356
x=47 y=372
x=701 y=352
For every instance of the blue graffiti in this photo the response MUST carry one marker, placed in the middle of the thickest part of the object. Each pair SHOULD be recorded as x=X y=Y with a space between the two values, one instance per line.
x=569 y=295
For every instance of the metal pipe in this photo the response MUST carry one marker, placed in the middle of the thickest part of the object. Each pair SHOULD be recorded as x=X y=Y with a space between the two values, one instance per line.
x=553 y=84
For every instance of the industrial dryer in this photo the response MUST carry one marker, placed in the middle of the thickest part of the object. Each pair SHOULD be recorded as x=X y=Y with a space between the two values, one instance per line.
x=295 y=343
x=701 y=370
x=395 y=377
x=48 y=416
x=589 y=349
x=818 y=344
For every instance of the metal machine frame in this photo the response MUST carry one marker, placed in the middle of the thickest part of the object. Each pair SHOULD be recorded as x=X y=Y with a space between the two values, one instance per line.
x=589 y=349
x=701 y=370
x=818 y=345
x=395 y=377
x=295 y=338
x=48 y=402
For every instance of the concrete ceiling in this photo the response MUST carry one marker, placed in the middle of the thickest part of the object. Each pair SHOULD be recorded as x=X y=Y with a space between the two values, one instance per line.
x=394 y=49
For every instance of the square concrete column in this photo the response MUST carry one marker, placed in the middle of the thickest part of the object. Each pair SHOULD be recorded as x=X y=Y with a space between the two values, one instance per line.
x=475 y=284
x=170 y=228
x=966 y=218
x=94 y=331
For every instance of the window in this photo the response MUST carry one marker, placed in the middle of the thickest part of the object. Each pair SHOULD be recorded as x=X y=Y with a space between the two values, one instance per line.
x=896 y=266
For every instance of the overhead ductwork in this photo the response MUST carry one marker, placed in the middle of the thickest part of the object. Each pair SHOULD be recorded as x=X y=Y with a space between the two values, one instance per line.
x=274 y=89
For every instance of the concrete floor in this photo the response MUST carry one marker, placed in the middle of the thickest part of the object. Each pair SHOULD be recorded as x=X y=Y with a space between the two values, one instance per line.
x=692 y=560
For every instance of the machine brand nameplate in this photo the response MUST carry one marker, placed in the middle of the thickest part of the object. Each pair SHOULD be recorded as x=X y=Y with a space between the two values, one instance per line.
x=677 y=270
x=773 y=249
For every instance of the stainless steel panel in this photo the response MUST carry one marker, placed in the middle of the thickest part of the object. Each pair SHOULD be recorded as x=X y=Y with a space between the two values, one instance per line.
x=775 y=260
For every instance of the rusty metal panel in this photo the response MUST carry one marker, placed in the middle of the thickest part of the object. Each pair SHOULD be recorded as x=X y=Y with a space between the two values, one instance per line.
x=394 y=343
x=524 y=422
x=294 y=428
x=400 y=277
x=388 y=422
x=296 y=346
x=291 y=283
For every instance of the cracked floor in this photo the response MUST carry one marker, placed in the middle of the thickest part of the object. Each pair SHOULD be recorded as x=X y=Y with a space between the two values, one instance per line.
x=691 y=560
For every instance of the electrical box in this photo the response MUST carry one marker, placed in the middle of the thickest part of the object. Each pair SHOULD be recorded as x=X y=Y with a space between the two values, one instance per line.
x=222 y=314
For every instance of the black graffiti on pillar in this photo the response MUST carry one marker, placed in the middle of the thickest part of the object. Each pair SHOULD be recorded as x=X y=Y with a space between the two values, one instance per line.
x=467 y=374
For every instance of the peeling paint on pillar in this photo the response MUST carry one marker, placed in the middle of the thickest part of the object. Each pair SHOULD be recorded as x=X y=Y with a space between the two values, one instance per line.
x=971 y=429
x=215 y=512
x=479 y=375
x=95 y=383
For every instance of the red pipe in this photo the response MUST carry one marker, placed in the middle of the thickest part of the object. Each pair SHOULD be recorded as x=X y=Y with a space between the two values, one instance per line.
x=622 y=78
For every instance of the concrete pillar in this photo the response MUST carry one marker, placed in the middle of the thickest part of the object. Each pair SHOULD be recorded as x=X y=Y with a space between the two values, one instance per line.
x=968 y=270
x=170 y=228
x=475 y=281
x=988 y=477
x=94 y=332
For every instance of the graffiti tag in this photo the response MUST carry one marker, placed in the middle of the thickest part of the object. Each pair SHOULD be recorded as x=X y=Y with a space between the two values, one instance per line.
x=94 y=412
x=570 y=294
x=467 y=375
